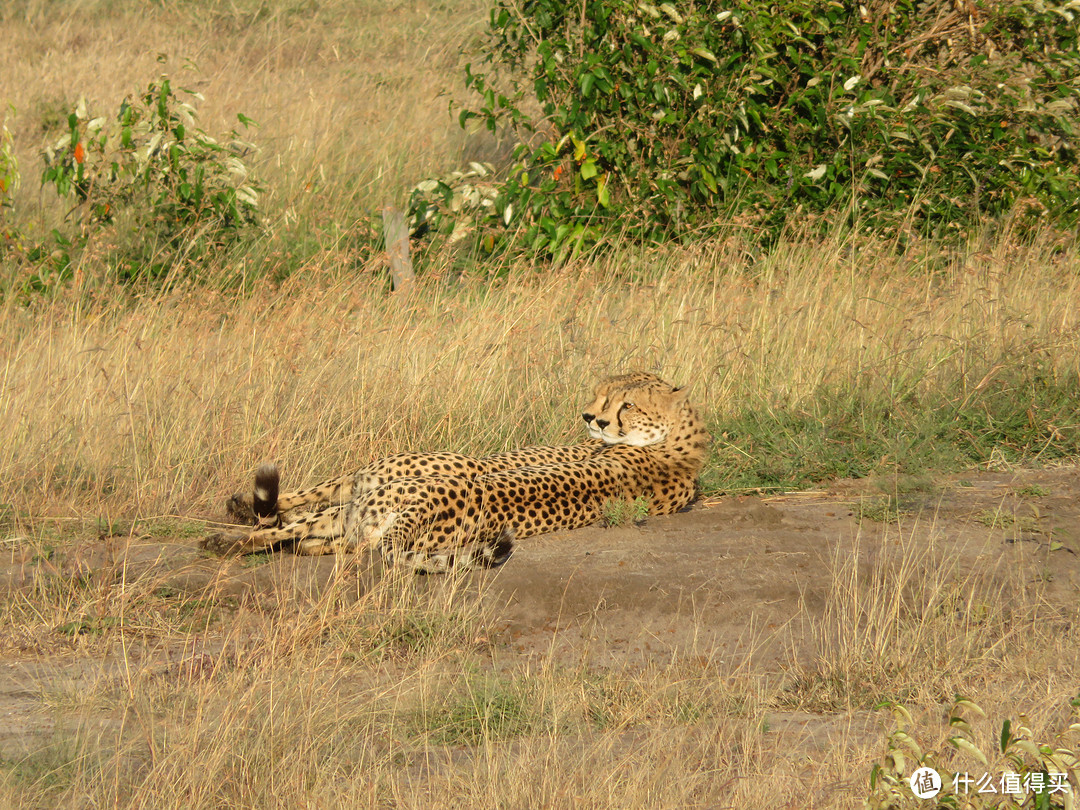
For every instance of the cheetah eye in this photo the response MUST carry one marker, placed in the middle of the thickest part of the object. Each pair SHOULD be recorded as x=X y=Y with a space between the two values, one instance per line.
x=629 y=406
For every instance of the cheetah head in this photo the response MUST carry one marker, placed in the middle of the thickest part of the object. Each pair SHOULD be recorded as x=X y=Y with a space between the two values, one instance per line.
x=605 y=389
x=638 y=410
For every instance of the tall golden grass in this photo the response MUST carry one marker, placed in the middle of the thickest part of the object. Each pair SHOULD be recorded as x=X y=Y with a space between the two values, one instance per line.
x=166 y=403
x=350 y=97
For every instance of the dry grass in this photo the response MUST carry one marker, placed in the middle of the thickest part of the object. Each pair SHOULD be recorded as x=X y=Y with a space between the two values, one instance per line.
x=917 y=625
x=116 y=409
x=387 y=692
x=350 y=98
x=167 y=403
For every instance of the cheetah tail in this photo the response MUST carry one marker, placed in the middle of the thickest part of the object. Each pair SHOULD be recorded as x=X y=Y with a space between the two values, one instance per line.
x=267 y=482
x=499 y=552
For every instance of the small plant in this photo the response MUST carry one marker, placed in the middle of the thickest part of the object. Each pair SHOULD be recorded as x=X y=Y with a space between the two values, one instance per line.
x=89 y=625
x=610 y=702
x=1020 y=524
x=173 y=528
x=1020 y=775
x=151 y=163
x=9 y=184
x=1032 y=491
x=256 y=560
x=623 y=511
x=884 y=509
x=995 y=519
x=107 y=527
x=44 y=553
x=411 y=630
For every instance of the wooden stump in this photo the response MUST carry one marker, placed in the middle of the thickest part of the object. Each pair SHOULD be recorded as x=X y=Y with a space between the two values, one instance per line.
x=396 y=238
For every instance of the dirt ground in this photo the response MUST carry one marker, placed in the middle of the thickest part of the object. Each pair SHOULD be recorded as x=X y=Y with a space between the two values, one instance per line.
x=733 y=579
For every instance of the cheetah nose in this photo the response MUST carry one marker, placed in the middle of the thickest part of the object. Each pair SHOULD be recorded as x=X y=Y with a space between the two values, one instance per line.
x=588 y=417
x=602 y=423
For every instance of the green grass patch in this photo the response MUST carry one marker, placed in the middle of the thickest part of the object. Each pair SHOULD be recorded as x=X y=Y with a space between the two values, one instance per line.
x=997 y=519
x=487 y=710
x=173 y=529
x=257 y=559
x=412 y=631
x=89 y=625
x=1023 y=415
x=45 y=773
x=624 y=511
x=884 y=509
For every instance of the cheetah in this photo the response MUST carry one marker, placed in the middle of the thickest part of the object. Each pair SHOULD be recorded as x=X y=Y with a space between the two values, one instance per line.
x=651 y=444
x=257 y=508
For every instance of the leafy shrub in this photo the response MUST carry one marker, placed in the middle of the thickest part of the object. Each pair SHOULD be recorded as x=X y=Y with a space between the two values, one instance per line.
x=9 y=167
x=457 y=204
x=9 y=182
x=1021 y=774
x=901 y=115
x=151 y=163
x=51 y=261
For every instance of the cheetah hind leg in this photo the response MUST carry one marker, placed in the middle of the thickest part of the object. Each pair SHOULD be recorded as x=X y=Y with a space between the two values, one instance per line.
x=308 y=534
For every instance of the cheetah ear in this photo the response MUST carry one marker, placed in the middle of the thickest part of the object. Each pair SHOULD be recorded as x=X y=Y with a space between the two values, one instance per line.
x=680 y=393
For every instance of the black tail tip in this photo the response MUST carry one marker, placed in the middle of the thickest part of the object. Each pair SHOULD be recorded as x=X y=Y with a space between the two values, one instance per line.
x=267 y=483
x=500 y=551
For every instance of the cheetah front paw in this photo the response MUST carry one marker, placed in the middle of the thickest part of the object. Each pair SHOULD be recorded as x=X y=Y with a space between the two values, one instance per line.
x=224 y=543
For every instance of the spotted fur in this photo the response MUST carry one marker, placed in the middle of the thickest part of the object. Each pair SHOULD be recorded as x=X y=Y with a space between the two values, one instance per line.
x=254 y=508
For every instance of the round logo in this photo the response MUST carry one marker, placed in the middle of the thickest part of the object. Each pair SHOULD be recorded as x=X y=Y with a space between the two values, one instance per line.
x=925 y=783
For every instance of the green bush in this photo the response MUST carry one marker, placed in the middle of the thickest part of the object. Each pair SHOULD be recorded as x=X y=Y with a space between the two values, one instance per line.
x=1017 y=773
x=661 y=120
x=9 y=167
x=152 y=165
x=9 y=183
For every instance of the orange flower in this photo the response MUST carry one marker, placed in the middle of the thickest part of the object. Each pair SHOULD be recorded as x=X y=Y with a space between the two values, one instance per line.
x=80 y=153
x=558 y=172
